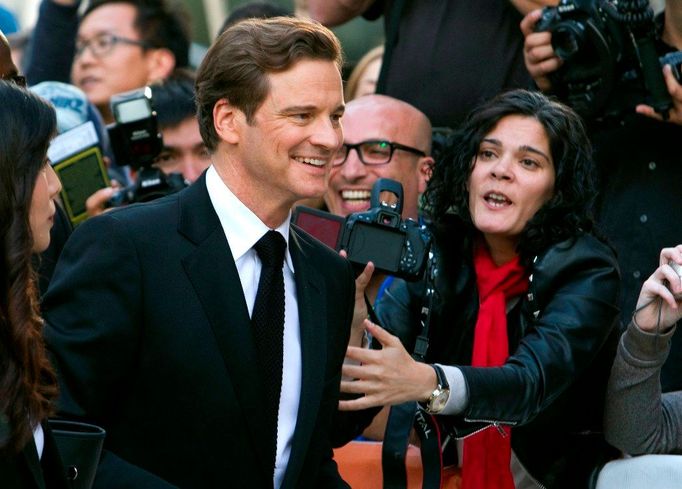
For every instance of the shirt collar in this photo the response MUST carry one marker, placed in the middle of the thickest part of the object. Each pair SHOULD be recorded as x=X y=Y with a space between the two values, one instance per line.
x=241 y=226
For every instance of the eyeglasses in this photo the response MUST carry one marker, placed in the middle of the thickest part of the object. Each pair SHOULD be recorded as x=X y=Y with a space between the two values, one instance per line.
x=19 y=80
x=102 y=44
x=372 y=152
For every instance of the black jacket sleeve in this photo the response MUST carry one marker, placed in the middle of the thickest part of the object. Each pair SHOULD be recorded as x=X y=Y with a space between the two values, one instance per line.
x=53 y=44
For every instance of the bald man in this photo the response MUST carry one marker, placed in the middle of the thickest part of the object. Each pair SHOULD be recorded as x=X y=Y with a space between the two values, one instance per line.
x=381 y=118
x=399 y=134
x=399 y=131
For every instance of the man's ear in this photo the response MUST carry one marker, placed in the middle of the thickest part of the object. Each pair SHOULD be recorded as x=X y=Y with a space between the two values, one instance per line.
x=160 y=64
x=425 y=167
x=227 y=121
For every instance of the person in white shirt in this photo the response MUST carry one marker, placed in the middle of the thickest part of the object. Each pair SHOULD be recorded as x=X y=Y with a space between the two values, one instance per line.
x=156 y=314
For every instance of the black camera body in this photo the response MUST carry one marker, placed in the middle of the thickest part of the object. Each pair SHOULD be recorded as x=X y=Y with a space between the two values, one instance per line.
x=397 y=247
x=136 y=141
x=609 y=54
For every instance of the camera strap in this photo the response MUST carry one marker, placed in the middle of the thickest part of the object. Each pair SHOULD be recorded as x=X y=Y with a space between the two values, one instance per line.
x=403 y=417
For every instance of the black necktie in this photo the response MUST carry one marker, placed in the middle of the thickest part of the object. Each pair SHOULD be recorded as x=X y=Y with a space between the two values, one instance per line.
x=267 y=321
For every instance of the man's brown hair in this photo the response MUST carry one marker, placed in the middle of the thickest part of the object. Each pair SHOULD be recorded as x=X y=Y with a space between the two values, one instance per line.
x=237 y=65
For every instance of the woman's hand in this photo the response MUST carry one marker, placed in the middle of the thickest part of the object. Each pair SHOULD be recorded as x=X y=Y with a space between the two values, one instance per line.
x=665 y=283
x=387 y=376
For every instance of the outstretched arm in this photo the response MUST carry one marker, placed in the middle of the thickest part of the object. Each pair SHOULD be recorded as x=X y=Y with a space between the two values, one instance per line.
x=50 y=60
x=385 y=377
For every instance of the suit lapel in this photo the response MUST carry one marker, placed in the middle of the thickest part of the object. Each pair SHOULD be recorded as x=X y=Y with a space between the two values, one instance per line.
x=213 y=274
x=30 y=456
x=312 y=312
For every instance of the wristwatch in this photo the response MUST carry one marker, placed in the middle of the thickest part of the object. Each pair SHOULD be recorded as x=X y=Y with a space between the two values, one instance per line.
x=439 y=397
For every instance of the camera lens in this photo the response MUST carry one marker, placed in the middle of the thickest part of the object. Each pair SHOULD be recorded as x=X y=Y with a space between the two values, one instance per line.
x=568 y=39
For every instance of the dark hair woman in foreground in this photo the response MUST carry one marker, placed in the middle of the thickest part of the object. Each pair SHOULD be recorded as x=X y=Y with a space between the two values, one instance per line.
x=28 y=188
x=522 y=325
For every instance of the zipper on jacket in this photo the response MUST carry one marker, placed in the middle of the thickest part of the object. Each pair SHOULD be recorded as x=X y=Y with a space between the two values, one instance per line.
x=499 y=426
x=496 y=424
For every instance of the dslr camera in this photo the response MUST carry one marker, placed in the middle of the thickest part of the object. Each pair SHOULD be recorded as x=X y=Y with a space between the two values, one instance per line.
x=136 y=142
x=609 y=53
x=397 y=247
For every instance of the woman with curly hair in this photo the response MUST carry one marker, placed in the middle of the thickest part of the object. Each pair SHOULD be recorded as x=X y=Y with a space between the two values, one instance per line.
x=28 y=188
x=523 y=312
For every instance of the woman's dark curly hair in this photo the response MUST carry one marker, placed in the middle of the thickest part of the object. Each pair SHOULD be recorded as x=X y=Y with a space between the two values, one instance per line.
x=27 y=381
x=567 y=214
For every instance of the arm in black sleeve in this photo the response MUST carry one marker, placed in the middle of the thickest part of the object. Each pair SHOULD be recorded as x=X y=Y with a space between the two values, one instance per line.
x=566 y=332
x=53 y=43
x=92 y=311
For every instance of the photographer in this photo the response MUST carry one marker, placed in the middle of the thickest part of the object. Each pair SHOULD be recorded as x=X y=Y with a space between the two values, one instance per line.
x=359 y=164
x=114 y=47
x=637 y=157
x=183 y=149
x=402 y=137
x=443 y=57
x=524 y=311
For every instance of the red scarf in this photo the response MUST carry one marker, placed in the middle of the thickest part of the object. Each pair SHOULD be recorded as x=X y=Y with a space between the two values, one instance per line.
x=487 y=453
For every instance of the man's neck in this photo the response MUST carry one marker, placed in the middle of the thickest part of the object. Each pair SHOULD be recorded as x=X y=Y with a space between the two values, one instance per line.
x=270 y=211
x=105 y=112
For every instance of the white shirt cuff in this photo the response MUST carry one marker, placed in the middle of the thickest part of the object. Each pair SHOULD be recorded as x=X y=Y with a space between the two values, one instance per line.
x=459 y=396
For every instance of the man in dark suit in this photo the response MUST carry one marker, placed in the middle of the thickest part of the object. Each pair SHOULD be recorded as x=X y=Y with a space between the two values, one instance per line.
x=152 y=312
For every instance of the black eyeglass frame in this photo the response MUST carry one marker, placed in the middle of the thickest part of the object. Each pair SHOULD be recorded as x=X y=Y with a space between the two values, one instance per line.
x=81 y=46
x=348 y=147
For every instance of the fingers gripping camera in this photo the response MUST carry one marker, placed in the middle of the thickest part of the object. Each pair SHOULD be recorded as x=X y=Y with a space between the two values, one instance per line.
x=610 y=59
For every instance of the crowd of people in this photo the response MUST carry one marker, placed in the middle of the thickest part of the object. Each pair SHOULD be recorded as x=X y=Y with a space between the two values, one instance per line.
x=218 y=344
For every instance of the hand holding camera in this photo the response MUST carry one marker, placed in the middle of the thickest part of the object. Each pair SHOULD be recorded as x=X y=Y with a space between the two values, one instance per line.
x=396 y=246
x=660 y=301
x=600 y=57
x=672 y=74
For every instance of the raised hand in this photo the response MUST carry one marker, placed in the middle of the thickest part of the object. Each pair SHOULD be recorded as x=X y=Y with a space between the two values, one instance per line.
x=660 y=300
x=675 y=91
x=538 y=53
x=384 y=377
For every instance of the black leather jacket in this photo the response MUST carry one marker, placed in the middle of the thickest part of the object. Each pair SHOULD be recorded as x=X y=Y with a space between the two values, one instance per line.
x=562 y=339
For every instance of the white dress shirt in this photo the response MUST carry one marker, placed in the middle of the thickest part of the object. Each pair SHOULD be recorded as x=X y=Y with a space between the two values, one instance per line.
x=243 y=229
x=39 y=439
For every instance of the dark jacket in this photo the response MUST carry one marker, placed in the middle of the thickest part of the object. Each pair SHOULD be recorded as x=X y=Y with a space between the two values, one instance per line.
x=562 y=338
x=151 y=338
x=24 y=470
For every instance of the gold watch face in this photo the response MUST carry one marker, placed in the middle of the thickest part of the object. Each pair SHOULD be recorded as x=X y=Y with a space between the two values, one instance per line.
x=439 y=399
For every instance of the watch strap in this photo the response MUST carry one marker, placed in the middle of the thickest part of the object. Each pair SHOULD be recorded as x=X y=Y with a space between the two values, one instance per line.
x=441 y=379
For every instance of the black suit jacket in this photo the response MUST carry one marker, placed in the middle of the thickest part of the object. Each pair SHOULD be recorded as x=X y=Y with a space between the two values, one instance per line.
x=24 y=470
x=151 y=337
